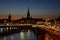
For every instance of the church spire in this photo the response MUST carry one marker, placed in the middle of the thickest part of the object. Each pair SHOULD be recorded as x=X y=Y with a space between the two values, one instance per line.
x=28 y=14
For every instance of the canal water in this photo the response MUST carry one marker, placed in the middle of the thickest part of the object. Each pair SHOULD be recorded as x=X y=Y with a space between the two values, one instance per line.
x=22 y=35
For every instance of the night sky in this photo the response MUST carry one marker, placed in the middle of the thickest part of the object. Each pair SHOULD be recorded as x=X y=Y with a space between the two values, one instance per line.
x=44 y=8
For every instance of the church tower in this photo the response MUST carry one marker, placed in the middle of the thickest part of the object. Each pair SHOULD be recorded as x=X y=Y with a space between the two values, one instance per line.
x=9 y=18
x=28 y=14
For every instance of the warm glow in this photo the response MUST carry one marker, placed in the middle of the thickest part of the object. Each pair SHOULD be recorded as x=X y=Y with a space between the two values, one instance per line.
x=13 y=17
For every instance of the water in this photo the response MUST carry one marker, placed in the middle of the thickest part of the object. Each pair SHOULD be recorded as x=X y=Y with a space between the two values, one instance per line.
x=20 y=36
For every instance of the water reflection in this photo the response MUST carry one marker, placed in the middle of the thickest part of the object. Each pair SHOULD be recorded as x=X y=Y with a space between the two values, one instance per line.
x=12 y=37
x=29 y=35
x=16 y=36
x=1 y=29
x=4 y=38
x=22 y=35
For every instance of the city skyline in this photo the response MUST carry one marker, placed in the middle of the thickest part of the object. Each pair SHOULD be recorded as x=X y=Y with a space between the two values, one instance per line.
x=38 y=8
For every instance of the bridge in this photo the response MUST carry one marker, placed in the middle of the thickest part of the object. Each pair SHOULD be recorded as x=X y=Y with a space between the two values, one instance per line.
x=41 y=31
x=49 y=33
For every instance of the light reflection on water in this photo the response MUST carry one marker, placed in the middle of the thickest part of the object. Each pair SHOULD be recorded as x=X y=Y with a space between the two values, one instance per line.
x=1 y=29
x=20 y=36
x=28 y=34
x=4 y=38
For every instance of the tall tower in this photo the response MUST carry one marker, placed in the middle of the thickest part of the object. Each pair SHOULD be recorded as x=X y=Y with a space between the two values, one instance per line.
x=9 y=18
x=28 y=14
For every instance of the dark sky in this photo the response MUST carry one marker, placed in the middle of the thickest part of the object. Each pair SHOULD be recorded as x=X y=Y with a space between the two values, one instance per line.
x=43 y=8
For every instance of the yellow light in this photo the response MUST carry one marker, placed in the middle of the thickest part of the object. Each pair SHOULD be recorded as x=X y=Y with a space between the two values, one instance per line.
x=7 y=24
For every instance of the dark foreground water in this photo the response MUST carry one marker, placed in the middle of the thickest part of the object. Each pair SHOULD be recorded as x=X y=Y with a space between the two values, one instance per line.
x=20 y=36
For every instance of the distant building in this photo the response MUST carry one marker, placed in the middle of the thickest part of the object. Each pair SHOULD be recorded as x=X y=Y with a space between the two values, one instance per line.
x=58 y=21
x=51 y=22
x=7 y=20
x=23 y=20
x=29 y=19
